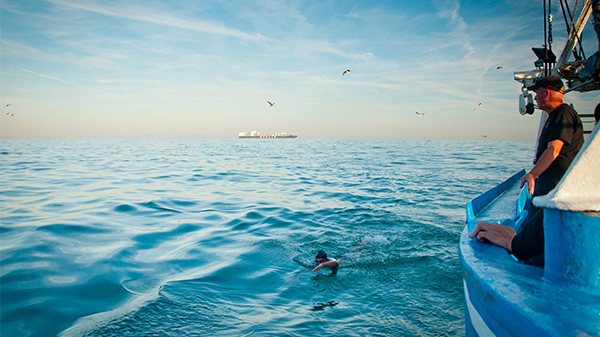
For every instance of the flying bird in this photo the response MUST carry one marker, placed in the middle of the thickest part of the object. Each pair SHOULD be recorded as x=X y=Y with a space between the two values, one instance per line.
x=498 y=67
x=8 y=105
x=346 y=71
x=483 y=136
x=10 y=113
x=478 y=105
x=271 y=104
x=420 y=114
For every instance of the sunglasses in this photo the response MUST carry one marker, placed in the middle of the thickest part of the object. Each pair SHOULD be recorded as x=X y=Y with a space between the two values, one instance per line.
x=320 y=260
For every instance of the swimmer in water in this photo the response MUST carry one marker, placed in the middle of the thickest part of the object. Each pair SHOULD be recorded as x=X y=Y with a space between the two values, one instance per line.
x=323 y=261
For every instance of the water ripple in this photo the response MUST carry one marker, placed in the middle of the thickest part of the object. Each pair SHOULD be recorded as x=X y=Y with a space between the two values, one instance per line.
x=218 y=237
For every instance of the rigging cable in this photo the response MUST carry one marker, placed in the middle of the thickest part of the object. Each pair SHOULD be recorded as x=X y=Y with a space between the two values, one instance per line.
x=545 y=39
x=550 y=40
x=562 y=6
x=582 y=54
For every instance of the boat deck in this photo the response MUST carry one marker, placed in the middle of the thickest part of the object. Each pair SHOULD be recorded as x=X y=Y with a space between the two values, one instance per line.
x=503 y=202
x=503 y=207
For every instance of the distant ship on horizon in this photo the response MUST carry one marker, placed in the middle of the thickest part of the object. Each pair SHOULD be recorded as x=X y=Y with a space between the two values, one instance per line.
x=254 y=134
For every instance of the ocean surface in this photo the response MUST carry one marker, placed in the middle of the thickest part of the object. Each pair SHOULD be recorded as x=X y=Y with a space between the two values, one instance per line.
x=196 y=237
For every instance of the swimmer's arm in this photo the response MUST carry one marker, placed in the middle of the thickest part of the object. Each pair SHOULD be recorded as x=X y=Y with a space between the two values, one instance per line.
x=329 y=264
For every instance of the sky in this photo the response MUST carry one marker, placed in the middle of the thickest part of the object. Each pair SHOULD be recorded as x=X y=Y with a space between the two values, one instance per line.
x=206 y=69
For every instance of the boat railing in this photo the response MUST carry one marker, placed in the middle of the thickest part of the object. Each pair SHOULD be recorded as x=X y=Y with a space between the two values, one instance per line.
x=523 y=207
x=481 y=203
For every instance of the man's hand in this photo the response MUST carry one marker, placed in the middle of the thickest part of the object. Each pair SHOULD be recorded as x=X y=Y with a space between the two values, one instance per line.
x=542 y=164
x=529 y=178
x=499 y=235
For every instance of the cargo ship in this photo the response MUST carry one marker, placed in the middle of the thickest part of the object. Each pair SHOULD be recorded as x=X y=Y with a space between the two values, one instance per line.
x=506 y=297
x=261 y=135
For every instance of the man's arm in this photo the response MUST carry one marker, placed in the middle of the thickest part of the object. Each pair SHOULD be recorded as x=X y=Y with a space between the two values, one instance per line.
x=543 y=163
x=329 y=264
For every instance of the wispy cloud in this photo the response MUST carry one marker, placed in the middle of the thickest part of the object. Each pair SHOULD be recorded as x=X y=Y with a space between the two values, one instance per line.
x=7 y=6
x=159 y=19
x=328 y=48
x=302 y=48
x=24 y=51
x=27 y=52
x=10 y=44
x=450 y=9
x=371 y=84
x=68 y=82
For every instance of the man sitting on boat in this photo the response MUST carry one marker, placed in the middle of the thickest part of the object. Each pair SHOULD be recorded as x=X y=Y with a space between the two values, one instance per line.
x=559 y=142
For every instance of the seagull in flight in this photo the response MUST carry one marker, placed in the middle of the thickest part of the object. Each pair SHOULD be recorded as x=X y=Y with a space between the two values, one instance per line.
x=498 y=67
x=478 y=106
x=420 y=114
x=10 y=114
x=271 y=104
x=346 y=71
x=8 y=105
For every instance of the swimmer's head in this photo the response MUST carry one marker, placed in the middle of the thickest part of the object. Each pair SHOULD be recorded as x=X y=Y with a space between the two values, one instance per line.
x=321 y=256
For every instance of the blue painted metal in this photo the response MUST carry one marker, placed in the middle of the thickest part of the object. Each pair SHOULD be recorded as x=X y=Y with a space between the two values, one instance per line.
x=523 y=206
x=572 y=241
x=475 y=206
x=491 y=207
x=506 y=298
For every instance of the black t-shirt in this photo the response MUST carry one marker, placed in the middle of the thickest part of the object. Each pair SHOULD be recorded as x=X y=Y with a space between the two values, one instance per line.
x=564 y=124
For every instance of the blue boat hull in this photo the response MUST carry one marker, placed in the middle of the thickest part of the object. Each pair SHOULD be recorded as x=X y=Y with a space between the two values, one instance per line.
x=505 y=297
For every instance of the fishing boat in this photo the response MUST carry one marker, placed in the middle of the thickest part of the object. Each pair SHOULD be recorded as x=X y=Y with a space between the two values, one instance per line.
x=505 y=297
x=260 y=135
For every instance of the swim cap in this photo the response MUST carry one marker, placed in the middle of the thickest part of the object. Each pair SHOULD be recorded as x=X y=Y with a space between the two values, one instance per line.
x=321 y=254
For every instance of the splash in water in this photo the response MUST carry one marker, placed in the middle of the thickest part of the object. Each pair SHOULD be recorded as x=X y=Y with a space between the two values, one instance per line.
x=377 y=239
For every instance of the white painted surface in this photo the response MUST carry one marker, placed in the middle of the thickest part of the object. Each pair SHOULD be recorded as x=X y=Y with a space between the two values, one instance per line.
x=478 y=324
x=579 y=189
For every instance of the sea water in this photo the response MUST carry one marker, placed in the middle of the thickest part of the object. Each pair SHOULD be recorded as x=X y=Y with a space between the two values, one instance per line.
x=196 y=237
